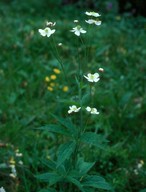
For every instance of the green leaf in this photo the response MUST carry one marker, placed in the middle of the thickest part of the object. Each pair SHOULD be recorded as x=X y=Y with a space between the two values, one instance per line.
x=76 y=183
x=51 y=178
x=65 y=151
x=86 y=99
x=53 y=166
x=102 y=50
x=143 y=190
x=48 y=190
x=68 y=124
x=56 y=129
x=96 y=182
x=50 y=163
x=83 y=167
x=93 y=139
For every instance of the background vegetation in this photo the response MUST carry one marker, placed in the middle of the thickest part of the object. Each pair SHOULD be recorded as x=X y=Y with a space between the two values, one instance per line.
x=25 y=103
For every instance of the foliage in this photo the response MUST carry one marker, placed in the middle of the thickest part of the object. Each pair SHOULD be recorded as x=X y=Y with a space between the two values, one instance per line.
x=25 y=102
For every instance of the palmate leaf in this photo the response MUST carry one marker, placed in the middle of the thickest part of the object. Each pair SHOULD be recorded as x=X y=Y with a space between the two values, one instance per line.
x=94 y=139
x=65 y=151
x=96 y=182
x=50 y=178
x=56 y=129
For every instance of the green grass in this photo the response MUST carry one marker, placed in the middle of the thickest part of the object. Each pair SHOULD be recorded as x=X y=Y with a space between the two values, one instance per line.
x=25 y=103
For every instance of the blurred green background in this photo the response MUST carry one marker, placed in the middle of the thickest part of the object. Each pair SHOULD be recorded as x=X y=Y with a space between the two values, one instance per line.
x=26 y=59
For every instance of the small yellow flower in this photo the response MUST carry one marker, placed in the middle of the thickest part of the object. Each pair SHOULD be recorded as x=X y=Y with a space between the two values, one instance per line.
x=65 y=88
x=12 y=161
x=47 y=79
x=53 y=77
x=57 y=71
x=50 y=88
x=52 y=84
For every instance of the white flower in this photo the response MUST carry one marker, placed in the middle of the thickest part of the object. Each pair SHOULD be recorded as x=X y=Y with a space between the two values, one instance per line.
x=13 y=171
x=73 y=108
x=92 y=21
x=46 y=32
x=101 y=69
x=76 y=21
x=92 y=14
x=77 y=30
x=59 y=44
x=19 y=154
x=92 y=77
x=2 y=189
x=92 y=110
x=20 y=162
x=50 y=23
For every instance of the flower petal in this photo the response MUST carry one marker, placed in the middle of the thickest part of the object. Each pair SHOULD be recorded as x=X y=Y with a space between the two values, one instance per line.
x=42 y=32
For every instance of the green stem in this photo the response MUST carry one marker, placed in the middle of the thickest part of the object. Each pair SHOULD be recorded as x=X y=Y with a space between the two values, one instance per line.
x=59 y=59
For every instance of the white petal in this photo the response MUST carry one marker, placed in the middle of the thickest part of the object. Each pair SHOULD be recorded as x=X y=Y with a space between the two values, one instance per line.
x=88 y=108
x=42 y=32
x=96 y=75
x=98 y=23
x=90 y=21
x=82 y=31
x=53 y=31
x=86 y=77
x=77 y=109
x=88 y=13
x=96 y=80
x=69 y=111
x=77 y=33
x=95 y=14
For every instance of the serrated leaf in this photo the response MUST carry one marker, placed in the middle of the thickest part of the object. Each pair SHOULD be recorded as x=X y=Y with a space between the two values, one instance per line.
x=49 y=163
x=48 y=190
x=76 y=183
x=56 y=129
x=67 y=123
x=65 y=151
x=96 y=182
x=83 y=167
x=93 y=139
x=51 y=178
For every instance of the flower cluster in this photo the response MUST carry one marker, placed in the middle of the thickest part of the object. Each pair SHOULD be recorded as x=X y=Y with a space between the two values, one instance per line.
x=76 y=109
x=2 y=189
x=139 y=167
x=94 y=15
x=47 y=31
x=13 y=161
x=76 y=30
x=51 y=81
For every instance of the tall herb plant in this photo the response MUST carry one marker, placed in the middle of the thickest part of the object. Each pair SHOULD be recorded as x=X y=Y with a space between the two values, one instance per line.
x=68 y=171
